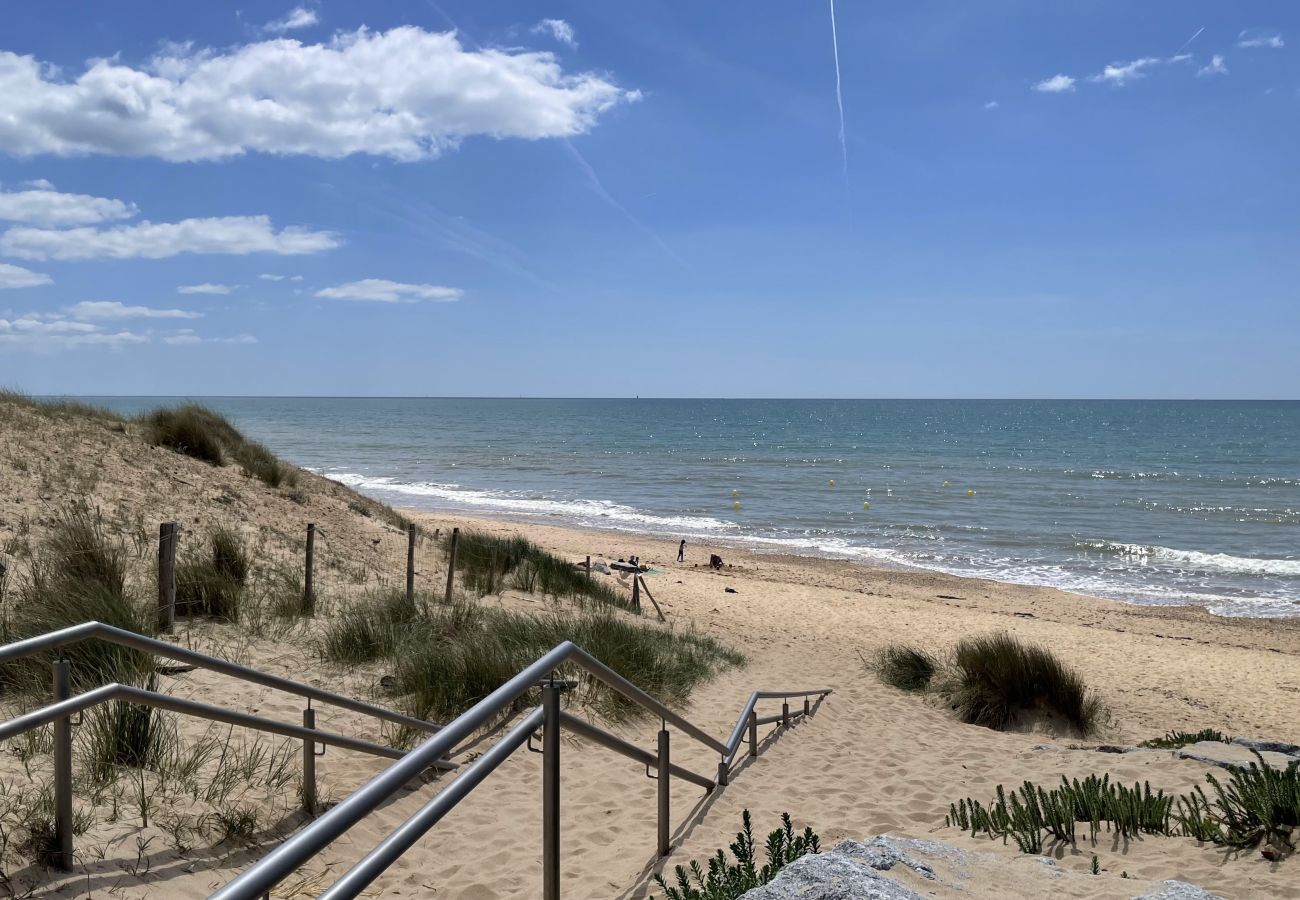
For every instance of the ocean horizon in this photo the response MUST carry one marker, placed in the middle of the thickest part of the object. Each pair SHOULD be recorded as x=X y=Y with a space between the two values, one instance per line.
x=1146 y=501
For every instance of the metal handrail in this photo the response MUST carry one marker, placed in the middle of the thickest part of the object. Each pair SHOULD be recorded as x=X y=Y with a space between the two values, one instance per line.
x=263 y=875
x=120 y=636
x=116 y=691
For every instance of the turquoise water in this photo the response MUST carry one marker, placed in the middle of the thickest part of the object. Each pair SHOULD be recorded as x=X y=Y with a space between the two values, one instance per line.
x=1146 y=501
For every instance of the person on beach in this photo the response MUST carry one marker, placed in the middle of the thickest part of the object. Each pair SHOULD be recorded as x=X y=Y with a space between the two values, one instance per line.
x=681 y=551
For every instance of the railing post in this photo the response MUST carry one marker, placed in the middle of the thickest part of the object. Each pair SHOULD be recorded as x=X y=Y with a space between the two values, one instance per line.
x=451 y=561
x=63 y=771
x=308 y=588
x=665 y=785
x=636 y=592
x=550 y=787
x=410 y=563
x=724 y=774
x=309 y=765
x=807 y=707
x=785 y=713
x=167 y=577
x=588 y=566
x=753 y=732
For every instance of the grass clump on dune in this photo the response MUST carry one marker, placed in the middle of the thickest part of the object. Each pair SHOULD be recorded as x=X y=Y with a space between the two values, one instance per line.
x=489 y=563
x=444 y=657
x=906 y=668
x=214 y=584
x=78 y=575
x=996 y=681
x=1000 y=681
x=197 y=431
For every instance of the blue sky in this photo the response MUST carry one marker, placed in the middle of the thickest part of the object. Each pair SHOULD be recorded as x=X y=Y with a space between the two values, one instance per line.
x=606 y=199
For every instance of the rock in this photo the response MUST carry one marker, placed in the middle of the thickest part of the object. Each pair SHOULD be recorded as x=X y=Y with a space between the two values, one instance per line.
x=1178 y=890
x=1217 y=753
x=1269 y=746
x=730 y=590
x=844 y=873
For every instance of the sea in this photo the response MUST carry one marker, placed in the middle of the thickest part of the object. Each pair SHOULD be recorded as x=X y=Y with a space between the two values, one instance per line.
x=1152 y=502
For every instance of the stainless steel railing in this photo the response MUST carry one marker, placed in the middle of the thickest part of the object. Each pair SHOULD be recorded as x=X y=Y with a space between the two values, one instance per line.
x=261 y=877
x=123 y=638
x=60 y=712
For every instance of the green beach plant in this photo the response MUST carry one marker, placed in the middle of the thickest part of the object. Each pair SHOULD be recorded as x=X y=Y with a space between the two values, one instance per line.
x=726 y=879
x=1175 y=740
x=1258 y=805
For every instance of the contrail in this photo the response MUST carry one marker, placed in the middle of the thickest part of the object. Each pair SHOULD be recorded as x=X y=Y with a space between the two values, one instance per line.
x=839 y=95
x=599 y=188
x=1189 y=41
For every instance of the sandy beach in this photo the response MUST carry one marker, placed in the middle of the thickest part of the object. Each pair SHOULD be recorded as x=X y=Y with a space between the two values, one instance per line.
x=872 y=760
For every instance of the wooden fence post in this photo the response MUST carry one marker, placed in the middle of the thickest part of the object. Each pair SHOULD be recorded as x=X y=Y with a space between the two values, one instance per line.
x=636 y=592
x=451 y=561
x=167 y=577
x=410 y=563
x=308 y=588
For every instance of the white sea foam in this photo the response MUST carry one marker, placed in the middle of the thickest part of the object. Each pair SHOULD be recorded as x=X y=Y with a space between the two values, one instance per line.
x=614 y=516
x=595 y=512
x=1197 y=559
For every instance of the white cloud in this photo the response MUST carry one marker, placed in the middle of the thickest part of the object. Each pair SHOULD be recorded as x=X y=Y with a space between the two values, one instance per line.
x=187 y=336
x=1216 y=66
x=298 y=17
x=407 y=94
x=1120 y=74
x=229 y=235
x=112 y=309
x=1057 y=84
x=205 y=288
x=31 y=333
x=381 y=290
x=268 y=276
x=559 y=29
x=45 y=206
x=18 y=277
x=992 y=104
x=1255 y=39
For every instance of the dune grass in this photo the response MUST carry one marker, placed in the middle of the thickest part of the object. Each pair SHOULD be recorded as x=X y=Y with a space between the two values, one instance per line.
x=906 y=668
x=57 y=407
x=1000 y=681
x=213 y=583
x=489 y=563
x=444 y=657
x=996 y=681
x=197 y=431
x=78 y=574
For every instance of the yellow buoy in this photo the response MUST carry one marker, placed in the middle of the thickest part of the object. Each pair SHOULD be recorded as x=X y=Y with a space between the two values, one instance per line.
x=831 y=482
x=866 y=505
x=970 y=493
x=735 y=493
x=735 y=504
x=945 y=484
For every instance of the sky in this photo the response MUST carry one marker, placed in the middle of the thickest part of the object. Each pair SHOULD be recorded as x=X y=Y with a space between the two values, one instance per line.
x=998 y=198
